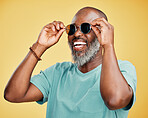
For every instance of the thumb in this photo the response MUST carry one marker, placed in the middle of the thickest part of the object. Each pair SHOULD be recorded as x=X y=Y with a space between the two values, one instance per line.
x=59 y=34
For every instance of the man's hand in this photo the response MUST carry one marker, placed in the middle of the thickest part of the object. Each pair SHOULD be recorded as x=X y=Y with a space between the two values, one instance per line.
x=104 y=32
x=51 y=34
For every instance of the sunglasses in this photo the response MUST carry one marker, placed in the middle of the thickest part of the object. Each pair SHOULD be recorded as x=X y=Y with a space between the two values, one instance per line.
x=84 y=27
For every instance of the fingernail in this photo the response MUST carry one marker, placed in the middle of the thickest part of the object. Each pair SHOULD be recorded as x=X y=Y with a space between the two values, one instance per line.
x=53 y=29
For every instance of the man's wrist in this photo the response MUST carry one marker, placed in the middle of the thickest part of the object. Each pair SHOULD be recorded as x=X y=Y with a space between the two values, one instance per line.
x=38 y=49
x=108 y=47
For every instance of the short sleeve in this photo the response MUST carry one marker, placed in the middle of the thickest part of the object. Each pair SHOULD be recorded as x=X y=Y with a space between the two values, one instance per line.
x=43 y=81
x=129 y=72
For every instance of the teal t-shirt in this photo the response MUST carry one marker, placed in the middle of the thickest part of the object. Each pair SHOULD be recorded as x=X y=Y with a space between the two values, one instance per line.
x=69 y=93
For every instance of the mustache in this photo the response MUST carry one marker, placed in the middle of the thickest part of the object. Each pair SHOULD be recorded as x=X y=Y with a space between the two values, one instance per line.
x=75 y=38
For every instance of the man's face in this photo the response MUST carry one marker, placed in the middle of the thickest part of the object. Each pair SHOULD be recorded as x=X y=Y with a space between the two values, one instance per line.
x=84 y=52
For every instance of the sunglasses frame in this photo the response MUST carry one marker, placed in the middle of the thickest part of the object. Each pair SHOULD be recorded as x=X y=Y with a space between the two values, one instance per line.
x=76 y=28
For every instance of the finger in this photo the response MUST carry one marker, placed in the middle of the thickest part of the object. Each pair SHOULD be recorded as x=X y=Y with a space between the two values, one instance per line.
x=96 y=29
x=49 y=26
x=100 y=21
x=104 y=20
x=53 y=28
x=59 y=34
x=62 y=25
x=56 y=25
x=97 y=32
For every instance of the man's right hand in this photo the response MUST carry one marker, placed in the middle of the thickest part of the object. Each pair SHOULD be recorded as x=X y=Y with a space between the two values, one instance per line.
x=51 y=34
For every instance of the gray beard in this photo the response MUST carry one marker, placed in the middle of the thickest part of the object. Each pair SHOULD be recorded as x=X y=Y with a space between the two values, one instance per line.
x=88 y=55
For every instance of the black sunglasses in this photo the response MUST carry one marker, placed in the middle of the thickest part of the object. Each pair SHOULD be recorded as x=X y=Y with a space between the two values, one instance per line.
x=84 y=27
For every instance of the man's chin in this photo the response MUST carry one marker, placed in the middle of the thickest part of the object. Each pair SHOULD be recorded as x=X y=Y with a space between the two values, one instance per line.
x=79 y=53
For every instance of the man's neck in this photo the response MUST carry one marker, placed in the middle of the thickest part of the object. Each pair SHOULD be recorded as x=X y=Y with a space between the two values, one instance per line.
x=92 y=63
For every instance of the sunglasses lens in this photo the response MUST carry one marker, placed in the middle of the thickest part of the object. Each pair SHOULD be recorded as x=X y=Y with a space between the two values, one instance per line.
x=85 y=28
x=70 y=29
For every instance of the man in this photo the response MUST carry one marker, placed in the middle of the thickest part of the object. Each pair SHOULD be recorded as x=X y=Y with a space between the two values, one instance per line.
x=97 y=85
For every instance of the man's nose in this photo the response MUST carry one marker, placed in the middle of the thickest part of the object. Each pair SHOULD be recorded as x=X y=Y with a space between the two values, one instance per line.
x=78 y=33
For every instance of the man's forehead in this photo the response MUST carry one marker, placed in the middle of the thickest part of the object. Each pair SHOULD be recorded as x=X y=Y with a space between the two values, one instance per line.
x=86 y=16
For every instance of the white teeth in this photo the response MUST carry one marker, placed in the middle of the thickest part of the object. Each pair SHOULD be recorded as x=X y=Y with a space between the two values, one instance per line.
x=79 y=46
x=79 y=43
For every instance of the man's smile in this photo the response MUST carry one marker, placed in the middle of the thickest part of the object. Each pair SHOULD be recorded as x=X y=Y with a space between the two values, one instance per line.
x=79 y=45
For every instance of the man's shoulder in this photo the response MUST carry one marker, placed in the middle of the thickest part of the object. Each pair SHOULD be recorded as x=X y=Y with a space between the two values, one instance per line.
x=128 y=67
x=125 y=63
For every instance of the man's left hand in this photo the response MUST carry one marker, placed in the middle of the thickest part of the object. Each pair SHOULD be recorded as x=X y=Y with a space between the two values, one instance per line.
x=104 y=32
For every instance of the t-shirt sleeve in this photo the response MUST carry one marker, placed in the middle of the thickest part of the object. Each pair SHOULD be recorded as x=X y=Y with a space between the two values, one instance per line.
x=43 y=81
x=129 y=73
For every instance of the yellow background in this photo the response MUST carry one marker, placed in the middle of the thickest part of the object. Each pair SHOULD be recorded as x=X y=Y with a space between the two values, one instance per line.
x=22 y=20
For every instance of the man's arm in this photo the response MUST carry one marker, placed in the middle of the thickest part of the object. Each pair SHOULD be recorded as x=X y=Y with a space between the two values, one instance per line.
x=115 y=90
x=19 y=88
